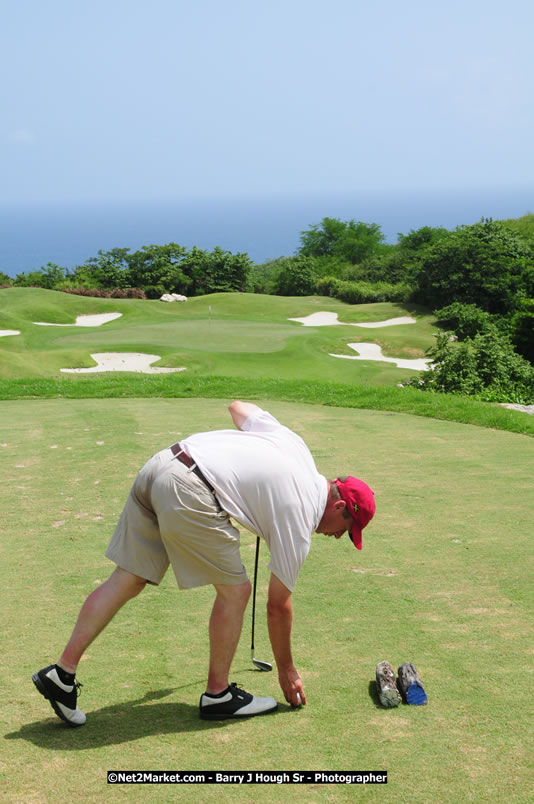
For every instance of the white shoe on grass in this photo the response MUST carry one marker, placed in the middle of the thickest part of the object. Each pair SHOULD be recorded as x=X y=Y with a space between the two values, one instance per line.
x=233 y=703
x=62 y=696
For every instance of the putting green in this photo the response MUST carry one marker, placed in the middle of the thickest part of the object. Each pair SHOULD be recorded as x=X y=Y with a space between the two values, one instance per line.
x=208 y=336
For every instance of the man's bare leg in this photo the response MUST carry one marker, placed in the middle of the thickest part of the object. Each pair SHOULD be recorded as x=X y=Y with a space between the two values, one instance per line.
x=97 y=611
x=220 y=699
x=57 y=682
x=225 y=626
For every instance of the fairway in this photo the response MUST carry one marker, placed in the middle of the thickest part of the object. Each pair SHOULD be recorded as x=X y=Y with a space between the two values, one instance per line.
x=444 y=581
x=232 y=334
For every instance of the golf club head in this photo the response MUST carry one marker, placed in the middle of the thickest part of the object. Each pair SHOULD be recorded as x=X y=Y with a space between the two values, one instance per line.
x=264 y=666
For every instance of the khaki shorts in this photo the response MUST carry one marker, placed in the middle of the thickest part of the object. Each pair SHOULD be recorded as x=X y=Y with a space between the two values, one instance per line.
x=172 y=517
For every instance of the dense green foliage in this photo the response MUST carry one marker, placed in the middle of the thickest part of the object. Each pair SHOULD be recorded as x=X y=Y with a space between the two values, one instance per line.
x=465 y=320
x=484 y=264
x=522 y=329
x=485 y=365
x=154 y=269
x=350 y=241
x=363 y=292
x=297 y=276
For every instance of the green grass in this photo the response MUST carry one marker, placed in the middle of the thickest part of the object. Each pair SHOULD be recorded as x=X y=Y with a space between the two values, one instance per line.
x=444 y=581
x=244 y=346
x=243 y=335
x=405 y=400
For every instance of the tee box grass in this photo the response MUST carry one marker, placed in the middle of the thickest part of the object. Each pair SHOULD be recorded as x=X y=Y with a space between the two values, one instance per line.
x=443 y=581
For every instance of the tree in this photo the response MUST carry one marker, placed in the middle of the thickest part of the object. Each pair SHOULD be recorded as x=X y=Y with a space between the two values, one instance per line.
x=484 y=264
x=49 y=276
x=262 y=278
x=418 y=239
x=107 y=270
x=350 y=241
x=223 y=272
x=158 y=270
x=297 y=277
x=218 y=271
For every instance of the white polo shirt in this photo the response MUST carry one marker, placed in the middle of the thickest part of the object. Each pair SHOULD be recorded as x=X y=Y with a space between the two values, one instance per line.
x=266 y=479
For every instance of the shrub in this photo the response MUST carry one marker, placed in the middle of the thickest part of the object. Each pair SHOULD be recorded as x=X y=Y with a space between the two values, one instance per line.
x=326 y=286
x=522 y=330
x=363 y=292
x=466 y=320
x=297 y=277
x=485 y=366
x=113 y=293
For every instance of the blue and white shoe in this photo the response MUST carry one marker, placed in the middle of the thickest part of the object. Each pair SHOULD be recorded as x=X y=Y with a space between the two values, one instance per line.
x=411 y=685
x=62 y=697
x=234 y=702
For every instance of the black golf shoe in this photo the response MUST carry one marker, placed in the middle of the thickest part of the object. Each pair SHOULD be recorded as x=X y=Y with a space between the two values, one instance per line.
x=62 y=697
x=234 y=702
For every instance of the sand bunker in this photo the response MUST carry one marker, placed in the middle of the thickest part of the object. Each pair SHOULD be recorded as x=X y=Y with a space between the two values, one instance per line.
x=5 y=332
x=372 y=351
x=85 y=320
x=123 y=361
x=390 y=322
x=366 y=351
x=330 y=320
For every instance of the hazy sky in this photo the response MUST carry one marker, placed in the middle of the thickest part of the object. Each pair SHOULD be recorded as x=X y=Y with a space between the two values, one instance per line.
x=168 y=99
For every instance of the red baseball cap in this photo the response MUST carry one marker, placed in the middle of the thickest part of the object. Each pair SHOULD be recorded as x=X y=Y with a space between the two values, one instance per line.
x=360 y=500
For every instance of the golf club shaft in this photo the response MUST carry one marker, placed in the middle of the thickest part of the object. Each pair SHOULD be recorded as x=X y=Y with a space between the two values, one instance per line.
x=257 y=662
x=254 y=593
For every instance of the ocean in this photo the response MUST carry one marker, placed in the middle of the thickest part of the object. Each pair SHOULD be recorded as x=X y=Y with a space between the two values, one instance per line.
x=265 y=228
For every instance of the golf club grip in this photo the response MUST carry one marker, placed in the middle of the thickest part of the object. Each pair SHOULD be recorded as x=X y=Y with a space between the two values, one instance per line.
x=254 y=591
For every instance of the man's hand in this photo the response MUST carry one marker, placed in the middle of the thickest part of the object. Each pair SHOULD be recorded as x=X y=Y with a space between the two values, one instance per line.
x=291 y=685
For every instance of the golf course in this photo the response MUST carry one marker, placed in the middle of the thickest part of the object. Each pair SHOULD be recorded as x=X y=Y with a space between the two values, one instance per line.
x=444 y=579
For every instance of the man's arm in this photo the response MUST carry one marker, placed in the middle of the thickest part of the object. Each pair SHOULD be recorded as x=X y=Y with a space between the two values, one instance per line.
x=240 y=411
x=279 y=620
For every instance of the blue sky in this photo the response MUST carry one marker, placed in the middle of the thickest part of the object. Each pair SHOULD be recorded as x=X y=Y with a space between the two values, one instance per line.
x=175 y=99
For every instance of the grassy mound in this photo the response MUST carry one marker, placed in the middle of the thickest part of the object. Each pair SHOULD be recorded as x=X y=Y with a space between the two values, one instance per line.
x=234 y=334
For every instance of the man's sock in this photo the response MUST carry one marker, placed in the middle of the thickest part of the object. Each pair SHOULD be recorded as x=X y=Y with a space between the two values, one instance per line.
x=64 y=677
x=218 y=695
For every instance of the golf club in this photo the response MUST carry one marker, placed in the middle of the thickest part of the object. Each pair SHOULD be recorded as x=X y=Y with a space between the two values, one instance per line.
x=257 y=662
